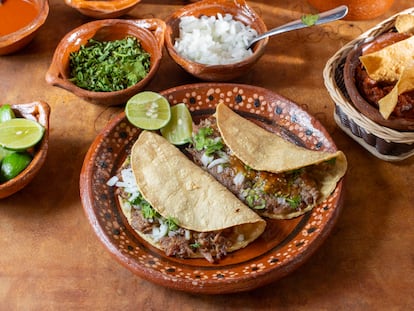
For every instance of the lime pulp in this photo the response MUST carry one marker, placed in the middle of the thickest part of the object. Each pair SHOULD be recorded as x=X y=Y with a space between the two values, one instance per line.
x=148 y=110
x=179 y=130
x=20 y=133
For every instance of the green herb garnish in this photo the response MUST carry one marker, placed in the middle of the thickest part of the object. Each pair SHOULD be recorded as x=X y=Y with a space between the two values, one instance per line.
x=195 y=245
x=294 y=201
x=309 y=19
x=109 y=66
x=203 y=141
x=171 y=223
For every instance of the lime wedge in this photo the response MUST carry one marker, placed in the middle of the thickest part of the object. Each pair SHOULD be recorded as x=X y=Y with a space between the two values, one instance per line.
x=6 y=113
x=20 y=133
x=179 y=130
x=13 y=164
x=148 y=110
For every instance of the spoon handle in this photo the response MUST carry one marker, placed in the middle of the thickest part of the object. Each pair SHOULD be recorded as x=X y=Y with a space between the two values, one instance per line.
x=325 y=17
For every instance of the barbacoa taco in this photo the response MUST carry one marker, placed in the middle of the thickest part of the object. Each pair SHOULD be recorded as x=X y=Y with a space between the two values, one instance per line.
x=178 y=207
x=275 y=178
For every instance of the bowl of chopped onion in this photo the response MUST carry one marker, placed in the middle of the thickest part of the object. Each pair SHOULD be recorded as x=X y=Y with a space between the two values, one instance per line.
x=210 y=39
x=108 y=61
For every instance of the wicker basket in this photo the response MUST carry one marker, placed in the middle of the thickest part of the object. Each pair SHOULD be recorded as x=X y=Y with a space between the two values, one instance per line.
x=383 y=142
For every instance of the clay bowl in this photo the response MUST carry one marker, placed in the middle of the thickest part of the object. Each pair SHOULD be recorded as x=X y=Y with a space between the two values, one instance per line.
x=15 y=41
x=352 y=63
x=103 y=9
x=357 y=9
x=240 y=12
x=38 y=111
x=150 y=33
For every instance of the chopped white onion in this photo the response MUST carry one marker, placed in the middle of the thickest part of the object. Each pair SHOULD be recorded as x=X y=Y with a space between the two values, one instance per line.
x=159 y=232
x=206 y=160
x=238 y=179
x=187 y=234
x=217 y=162
x=214 y=40
x=112 y=181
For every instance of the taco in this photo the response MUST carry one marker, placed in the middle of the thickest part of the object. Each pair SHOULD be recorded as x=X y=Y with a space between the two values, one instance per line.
x=180 y=208
x=275 y=178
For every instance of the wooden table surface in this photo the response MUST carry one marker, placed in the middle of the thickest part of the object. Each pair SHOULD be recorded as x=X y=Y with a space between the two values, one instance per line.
x=50 y=258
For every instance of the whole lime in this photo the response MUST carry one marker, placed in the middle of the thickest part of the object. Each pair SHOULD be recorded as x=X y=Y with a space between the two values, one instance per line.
x=13 y=164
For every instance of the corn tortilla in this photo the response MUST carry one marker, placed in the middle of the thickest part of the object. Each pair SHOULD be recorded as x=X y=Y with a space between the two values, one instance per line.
x=265 y=151
x=176 y=187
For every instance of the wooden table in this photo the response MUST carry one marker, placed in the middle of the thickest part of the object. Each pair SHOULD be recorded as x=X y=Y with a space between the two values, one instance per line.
x=50 y=258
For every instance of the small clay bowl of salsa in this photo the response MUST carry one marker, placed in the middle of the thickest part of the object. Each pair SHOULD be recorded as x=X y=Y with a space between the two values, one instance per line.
x=365 y=92
x=148 y=32
x=101 y=9
x=38 y=111
x=239 y=11
x=20 y=20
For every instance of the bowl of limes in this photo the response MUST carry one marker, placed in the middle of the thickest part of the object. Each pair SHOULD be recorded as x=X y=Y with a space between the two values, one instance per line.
x=24 y=140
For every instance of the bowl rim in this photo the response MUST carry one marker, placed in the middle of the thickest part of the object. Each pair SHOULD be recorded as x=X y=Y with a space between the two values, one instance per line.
x=105 y=6
x=37 y=22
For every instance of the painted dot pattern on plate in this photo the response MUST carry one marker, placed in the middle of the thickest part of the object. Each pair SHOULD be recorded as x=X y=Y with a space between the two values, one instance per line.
x=275 y=255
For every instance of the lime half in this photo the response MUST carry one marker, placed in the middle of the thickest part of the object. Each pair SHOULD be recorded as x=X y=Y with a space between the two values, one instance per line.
x=20 y=133
x=179 y=130
x=6 y=113
x=148 y=110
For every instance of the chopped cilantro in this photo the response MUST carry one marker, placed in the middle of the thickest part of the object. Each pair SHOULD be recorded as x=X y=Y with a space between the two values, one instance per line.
x=109 y=66
x=195 y=245
x=171 y=223
x=294 y=201
x=309 y=19
x=148 y=212
x=203 y=141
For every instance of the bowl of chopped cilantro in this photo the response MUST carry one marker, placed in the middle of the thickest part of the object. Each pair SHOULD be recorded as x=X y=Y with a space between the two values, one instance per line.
x=108 y=61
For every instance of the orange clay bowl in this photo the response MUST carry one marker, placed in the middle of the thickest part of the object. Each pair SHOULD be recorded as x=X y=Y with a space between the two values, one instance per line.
x=241 y=12
x=149 y=32
x=104 y=8
x=371 y=112
x=357 y=9
x=38 y=111
x=15 y=41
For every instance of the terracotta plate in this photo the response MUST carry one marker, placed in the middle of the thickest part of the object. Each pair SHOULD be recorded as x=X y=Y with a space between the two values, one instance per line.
x=283 y=246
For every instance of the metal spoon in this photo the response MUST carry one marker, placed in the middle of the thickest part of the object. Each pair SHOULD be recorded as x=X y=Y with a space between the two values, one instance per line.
x=325 y=17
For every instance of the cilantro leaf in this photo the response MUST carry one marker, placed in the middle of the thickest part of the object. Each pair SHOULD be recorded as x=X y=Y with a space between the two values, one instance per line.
x=309 y=19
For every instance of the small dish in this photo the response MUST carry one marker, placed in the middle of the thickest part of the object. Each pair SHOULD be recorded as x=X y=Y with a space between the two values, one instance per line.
x=38 y=111
x=150 y=33
x=352 y=64
x=240 y=12
x=15 y=41
x=384 y=142
x=284 y=245
x=101 y=9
